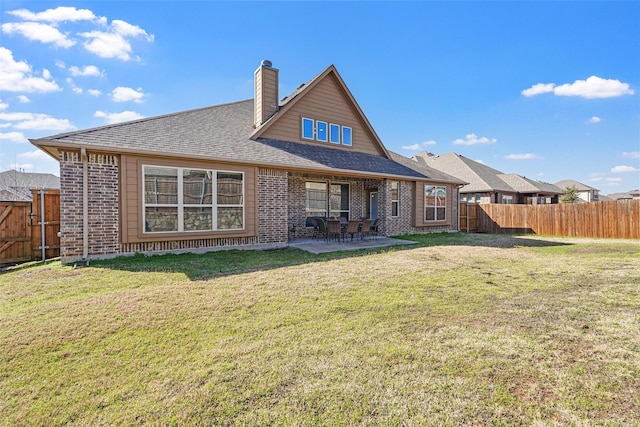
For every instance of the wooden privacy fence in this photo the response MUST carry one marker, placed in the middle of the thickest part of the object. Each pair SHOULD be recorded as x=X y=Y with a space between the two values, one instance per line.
x=21 y=224
x=618 y=219
x=468 y=217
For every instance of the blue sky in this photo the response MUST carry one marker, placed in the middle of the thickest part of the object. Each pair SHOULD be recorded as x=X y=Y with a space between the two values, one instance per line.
x=548 y=90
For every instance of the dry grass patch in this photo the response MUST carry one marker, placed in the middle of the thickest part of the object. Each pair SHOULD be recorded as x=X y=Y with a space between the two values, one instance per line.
x=463 y=330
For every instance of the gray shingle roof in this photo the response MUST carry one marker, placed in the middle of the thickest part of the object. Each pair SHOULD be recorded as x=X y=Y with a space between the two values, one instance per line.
x=481 y=178
x=29 y=180
x=524 y=185
x=221 y=133
x=572 y=183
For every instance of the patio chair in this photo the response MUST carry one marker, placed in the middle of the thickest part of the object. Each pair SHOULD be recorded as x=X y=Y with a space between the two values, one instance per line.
x=333 y=229
x=352 y=228
x=316 y=227
x=373 y=228
x=322 y=228
x=366 y=229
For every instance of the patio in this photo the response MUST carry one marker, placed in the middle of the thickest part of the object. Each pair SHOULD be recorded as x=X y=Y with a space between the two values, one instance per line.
x=320 y=245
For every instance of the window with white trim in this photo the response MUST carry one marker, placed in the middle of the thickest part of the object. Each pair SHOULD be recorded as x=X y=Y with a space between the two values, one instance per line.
x=395 y=198
x=435 y=203
x=308 y=128
x=326 y=199
x=346 y=135
x=185 y=199
x=334 y=133
x=321 y=129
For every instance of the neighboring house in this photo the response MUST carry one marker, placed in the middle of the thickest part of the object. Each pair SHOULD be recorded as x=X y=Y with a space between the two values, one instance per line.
x=585 y=192
x=629 y=195
x=17 y=186
x=489 y=185
x=247 y=174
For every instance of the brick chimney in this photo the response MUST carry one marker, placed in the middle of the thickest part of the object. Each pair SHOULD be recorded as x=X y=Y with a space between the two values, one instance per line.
x=265 y=101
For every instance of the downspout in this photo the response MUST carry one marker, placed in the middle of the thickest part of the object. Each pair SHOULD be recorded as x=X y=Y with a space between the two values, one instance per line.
x=42 y=233
x=85 y=205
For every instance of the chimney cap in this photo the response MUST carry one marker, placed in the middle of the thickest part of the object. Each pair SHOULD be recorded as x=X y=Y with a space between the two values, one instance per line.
x=266 y=63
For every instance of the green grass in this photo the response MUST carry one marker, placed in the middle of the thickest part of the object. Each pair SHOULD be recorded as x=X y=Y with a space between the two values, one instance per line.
x=458 y=330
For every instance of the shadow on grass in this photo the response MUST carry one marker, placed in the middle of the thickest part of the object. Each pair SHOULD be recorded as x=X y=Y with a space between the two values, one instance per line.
x=229 y=262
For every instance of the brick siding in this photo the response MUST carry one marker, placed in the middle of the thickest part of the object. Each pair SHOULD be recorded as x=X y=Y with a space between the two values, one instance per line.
x=272 y=206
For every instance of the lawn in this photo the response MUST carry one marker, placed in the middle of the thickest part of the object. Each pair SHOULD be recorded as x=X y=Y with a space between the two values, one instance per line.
x=457 y=330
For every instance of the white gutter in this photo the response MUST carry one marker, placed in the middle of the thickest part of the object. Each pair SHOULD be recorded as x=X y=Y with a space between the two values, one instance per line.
x=85 y=205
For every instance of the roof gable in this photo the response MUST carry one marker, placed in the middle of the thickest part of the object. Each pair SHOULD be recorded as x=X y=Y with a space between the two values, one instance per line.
x=325 y=98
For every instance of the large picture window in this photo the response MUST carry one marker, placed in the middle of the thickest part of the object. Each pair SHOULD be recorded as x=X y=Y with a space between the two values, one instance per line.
x=183 y=199
x=435 y=203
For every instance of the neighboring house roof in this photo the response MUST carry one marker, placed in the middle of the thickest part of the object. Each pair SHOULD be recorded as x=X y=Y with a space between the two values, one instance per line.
x=633 y=194
x=433 y=174
x=480 y=178
x=572 y=183
x=17 y=186
x=525 y=185
x=602 y=198
x=36 y=181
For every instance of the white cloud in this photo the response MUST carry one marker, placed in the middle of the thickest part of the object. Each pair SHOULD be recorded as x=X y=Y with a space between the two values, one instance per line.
x=17 y=137
x=87 y=70
x=595 y=119
x=94 y=92
x=124 y=116
x=36 y=154
x=416 y=147
x=592 y=87
x=18 y=76
x=113 y=43
x=58 y=14
x=77 y=90
x=472 y=139
x=124 y=94
x=3 y=105
x=537 y=89
x=624 y=169
x=23 y=99
x=631 y=154
x=33 y=121
x=35 y=31
x=522 y=156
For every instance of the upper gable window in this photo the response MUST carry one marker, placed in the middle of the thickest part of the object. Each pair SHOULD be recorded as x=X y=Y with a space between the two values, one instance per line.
x=322 y=131
x=346 y=136
x=334 y=133
x=307 y=128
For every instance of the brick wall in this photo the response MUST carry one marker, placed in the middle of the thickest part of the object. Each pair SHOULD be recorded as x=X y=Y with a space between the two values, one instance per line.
x=273 y=189
x=298 y=195
x=102 y=207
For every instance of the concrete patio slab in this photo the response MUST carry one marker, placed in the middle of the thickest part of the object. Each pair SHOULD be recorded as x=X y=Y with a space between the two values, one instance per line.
x=321 y=246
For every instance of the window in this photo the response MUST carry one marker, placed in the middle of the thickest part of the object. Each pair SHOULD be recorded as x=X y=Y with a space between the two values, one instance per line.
x=183 y=199
x=507 y=200
x=307 y=128
x=321 y=131
x=339 y=201
x=326 y=200
x=435 y=203
x=334 y=133
x=316 y=200
x=346 y=136
x=395 y=198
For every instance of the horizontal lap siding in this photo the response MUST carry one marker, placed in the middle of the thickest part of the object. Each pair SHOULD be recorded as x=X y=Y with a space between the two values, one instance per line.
x=325 y=102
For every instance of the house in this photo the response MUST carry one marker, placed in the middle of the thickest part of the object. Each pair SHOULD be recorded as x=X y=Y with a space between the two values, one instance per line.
x=247 y=174
x=629 y=195
x=488 y=185
x=585 y=192
x=17 y=186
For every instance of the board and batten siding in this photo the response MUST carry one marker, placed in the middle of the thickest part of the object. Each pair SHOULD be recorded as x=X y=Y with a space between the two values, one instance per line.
x=132 y=183
x=326 y=102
